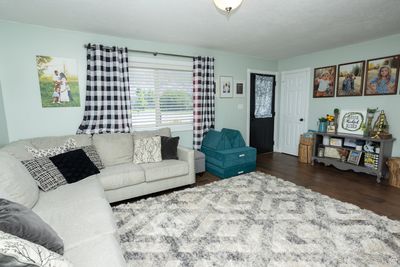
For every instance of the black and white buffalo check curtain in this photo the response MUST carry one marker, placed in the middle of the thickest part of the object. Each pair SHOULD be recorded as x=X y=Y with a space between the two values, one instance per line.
x=107 y=106
x=203 y=98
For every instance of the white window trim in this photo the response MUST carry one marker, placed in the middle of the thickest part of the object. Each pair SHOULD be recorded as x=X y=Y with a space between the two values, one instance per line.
x=157 y=63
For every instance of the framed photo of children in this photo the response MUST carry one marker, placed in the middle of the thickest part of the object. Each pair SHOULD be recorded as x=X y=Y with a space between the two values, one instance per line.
x=324 y=82
x=350 y=79
x=58 y=81
x=226 y=86
x=382 y=76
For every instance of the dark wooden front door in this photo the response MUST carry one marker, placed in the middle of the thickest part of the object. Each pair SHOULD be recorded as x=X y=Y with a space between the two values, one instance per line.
x=262 y=112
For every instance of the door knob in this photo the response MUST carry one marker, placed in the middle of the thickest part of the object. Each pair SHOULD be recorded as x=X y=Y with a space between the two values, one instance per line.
x=301 y=119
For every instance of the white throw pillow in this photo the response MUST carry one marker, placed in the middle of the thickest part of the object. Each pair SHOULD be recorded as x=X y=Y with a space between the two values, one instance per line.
x=147 y=150
x=18 y=250
x=70 y=144
x=16 y=182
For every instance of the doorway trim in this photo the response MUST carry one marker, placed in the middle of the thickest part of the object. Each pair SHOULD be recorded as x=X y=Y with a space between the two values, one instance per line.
x=277 y=98
x=310 y=85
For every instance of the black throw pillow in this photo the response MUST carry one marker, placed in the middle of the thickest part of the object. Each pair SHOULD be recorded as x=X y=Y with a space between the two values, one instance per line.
x=20 y=221
x=169 y=147
x=74 y=165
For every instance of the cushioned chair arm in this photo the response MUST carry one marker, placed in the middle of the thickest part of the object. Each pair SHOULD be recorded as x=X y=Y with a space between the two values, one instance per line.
x=187 y=155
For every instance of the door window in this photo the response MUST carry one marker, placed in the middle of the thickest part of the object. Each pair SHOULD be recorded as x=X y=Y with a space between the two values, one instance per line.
x=263 y=96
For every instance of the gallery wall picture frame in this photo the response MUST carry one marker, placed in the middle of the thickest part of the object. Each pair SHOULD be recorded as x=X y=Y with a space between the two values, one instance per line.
x=350 y=79
x=240 y=89
x=58 y=81
x=324 y=81
x=226 y=86
x=382 y=76
x=351 y=121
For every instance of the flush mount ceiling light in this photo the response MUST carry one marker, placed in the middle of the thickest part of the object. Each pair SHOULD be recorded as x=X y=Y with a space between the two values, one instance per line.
x=227 y=6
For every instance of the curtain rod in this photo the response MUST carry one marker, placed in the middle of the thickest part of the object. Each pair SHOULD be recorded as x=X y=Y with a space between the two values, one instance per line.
x=153 y=53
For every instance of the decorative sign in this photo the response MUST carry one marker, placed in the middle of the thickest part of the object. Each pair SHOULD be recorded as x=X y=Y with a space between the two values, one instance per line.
x=351 y=122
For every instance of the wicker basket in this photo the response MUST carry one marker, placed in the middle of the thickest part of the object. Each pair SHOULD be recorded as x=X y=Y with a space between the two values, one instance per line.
x=394 y=169
x=305 y=149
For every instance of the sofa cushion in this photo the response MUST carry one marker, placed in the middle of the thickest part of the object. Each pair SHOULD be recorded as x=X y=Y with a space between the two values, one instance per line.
x=87 y=189
x=16 y=182
x=53 y=141
x=18 y=150
x=20 y=221
x=79 y=220
x=45 y=173
x=103 y=251
x=159 y=132
x=123 y=175
x=114 y=148
x=147 y=150
x=74 y=165
x=165 y=169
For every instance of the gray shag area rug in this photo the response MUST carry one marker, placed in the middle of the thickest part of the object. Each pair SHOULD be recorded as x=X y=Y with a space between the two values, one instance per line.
x=254 y=220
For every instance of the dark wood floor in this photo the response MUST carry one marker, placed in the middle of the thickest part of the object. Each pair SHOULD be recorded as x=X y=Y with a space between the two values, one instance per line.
x=359 y=189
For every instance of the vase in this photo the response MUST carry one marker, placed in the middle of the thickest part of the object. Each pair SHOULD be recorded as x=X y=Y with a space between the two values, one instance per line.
x=322 y=126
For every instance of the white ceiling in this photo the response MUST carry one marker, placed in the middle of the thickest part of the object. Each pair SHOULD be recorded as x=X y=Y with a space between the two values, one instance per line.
x=271 y=29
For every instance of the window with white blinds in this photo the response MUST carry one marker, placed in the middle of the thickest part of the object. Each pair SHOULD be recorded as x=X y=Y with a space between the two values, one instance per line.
x=161 y=93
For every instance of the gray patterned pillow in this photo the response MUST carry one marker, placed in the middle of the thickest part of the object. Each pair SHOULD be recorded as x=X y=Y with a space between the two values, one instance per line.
x=92 y=154
x=69 y=145
x=46 y=174
x=147 y=150
x=27 y=253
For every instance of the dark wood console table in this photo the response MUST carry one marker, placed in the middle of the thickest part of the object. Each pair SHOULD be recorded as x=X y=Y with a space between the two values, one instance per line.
x=385 y=152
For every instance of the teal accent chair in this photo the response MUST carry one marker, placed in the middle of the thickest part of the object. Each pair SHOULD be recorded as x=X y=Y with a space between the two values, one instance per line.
x=227 y=154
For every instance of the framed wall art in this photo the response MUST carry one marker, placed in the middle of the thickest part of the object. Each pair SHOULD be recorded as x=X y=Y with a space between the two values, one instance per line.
x=239 y=89
x=226 y=86
x=58 y=81
x=350 y=79
x=382 y=76
x=324 y=82
x=351 y=121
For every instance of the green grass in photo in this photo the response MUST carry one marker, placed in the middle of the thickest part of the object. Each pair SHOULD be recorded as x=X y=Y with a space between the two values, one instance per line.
x=47 y=90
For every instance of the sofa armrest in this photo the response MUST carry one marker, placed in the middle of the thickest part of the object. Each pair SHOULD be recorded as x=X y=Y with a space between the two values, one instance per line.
x=187 y=155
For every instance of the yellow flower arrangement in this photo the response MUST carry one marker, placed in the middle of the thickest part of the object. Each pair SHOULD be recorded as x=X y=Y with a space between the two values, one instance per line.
x=330 y=118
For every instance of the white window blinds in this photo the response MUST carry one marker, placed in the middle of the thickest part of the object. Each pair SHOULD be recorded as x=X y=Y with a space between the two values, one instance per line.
x=161 y=94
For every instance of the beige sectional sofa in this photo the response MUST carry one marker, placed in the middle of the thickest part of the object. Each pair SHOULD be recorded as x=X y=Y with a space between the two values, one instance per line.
x=80 y=212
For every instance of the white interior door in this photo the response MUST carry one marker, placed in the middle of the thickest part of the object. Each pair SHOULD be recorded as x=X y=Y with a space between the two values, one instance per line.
x=295 y=92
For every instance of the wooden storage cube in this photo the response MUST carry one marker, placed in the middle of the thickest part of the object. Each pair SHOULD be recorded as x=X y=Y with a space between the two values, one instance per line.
x=394 y=169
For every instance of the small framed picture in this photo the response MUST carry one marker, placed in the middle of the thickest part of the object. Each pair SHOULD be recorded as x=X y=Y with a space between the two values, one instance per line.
x=354 y=157
x=382 y=76
x=225 y=86
x=336 y=142
x=350 y=79
x=239 y=89
x=324 y=82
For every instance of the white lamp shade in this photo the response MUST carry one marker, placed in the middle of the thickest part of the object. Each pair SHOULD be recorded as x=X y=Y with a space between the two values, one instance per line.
x=227 y=5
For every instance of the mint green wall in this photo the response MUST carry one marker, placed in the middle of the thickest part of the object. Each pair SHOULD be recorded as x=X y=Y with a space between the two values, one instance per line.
x=372 y=49
x=3 y=122
x=20 y=43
